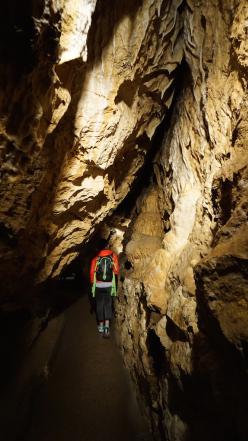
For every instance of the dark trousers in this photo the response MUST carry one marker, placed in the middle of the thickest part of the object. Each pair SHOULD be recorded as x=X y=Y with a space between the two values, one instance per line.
x=103 y=303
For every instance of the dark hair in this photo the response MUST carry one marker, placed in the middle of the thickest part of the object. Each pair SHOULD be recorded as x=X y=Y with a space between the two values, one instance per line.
x=102 y=244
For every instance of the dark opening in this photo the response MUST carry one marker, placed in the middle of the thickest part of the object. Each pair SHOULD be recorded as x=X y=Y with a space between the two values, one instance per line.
x=226 y=200
x=127 y=265
x=157 y=352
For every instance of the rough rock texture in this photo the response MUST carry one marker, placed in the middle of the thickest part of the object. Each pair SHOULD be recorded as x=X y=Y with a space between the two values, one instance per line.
x=185 y=293
x=80 y=122
x=84 y=85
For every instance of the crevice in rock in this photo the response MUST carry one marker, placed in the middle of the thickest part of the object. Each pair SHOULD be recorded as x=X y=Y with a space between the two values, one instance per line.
x=226 y=200
x=174 y=332
x=146 y=176
x=17 y=27
x=127 y=265
x=223 y=202
x=157 y=353
x=7 y=236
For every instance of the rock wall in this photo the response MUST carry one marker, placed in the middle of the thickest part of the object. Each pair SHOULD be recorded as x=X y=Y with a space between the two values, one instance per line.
x=84 y=85
x=79 y=123
x=183 y=307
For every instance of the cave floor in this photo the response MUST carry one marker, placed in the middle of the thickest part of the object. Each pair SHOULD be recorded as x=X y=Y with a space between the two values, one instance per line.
x=88 y=395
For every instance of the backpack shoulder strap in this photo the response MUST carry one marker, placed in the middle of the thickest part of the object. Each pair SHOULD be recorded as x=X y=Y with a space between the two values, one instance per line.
x=93 y=289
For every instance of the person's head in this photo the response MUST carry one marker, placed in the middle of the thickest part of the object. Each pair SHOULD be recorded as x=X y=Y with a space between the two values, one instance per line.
x=102 y=244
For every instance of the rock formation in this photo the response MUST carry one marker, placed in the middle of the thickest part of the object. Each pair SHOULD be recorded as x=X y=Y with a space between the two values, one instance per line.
x=84 y=87
x=79 y=124
x=186 y=287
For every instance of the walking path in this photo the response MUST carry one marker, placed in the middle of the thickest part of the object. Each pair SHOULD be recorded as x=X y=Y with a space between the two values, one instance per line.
x=88 y=395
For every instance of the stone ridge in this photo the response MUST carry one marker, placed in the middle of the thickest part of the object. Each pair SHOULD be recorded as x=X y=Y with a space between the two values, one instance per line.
x=185 y=289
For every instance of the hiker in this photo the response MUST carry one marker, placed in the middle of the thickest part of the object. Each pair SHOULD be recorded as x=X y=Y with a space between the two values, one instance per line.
x=104 y=270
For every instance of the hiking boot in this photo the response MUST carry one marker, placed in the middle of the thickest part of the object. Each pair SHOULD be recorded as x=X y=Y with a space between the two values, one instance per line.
x=100 y=329
x=106 y=332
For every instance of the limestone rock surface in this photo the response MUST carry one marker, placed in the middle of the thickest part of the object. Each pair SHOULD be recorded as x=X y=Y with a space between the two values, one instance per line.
x=84 y=87
x=193 y=286
x=80 y=121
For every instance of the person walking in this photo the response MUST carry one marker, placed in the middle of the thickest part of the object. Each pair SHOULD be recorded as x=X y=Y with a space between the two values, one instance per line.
x=104 y=271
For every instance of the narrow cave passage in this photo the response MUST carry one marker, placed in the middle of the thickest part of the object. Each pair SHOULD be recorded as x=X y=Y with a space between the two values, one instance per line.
x=132 y=116
x=87 y=395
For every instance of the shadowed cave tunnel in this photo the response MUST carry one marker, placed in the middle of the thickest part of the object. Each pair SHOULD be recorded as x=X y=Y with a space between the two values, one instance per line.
x=124 y=121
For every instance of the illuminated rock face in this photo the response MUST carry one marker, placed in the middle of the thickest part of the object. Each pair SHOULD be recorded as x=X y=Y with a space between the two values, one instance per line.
x=186 y=293
x=84 y=125
x=75 y=23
